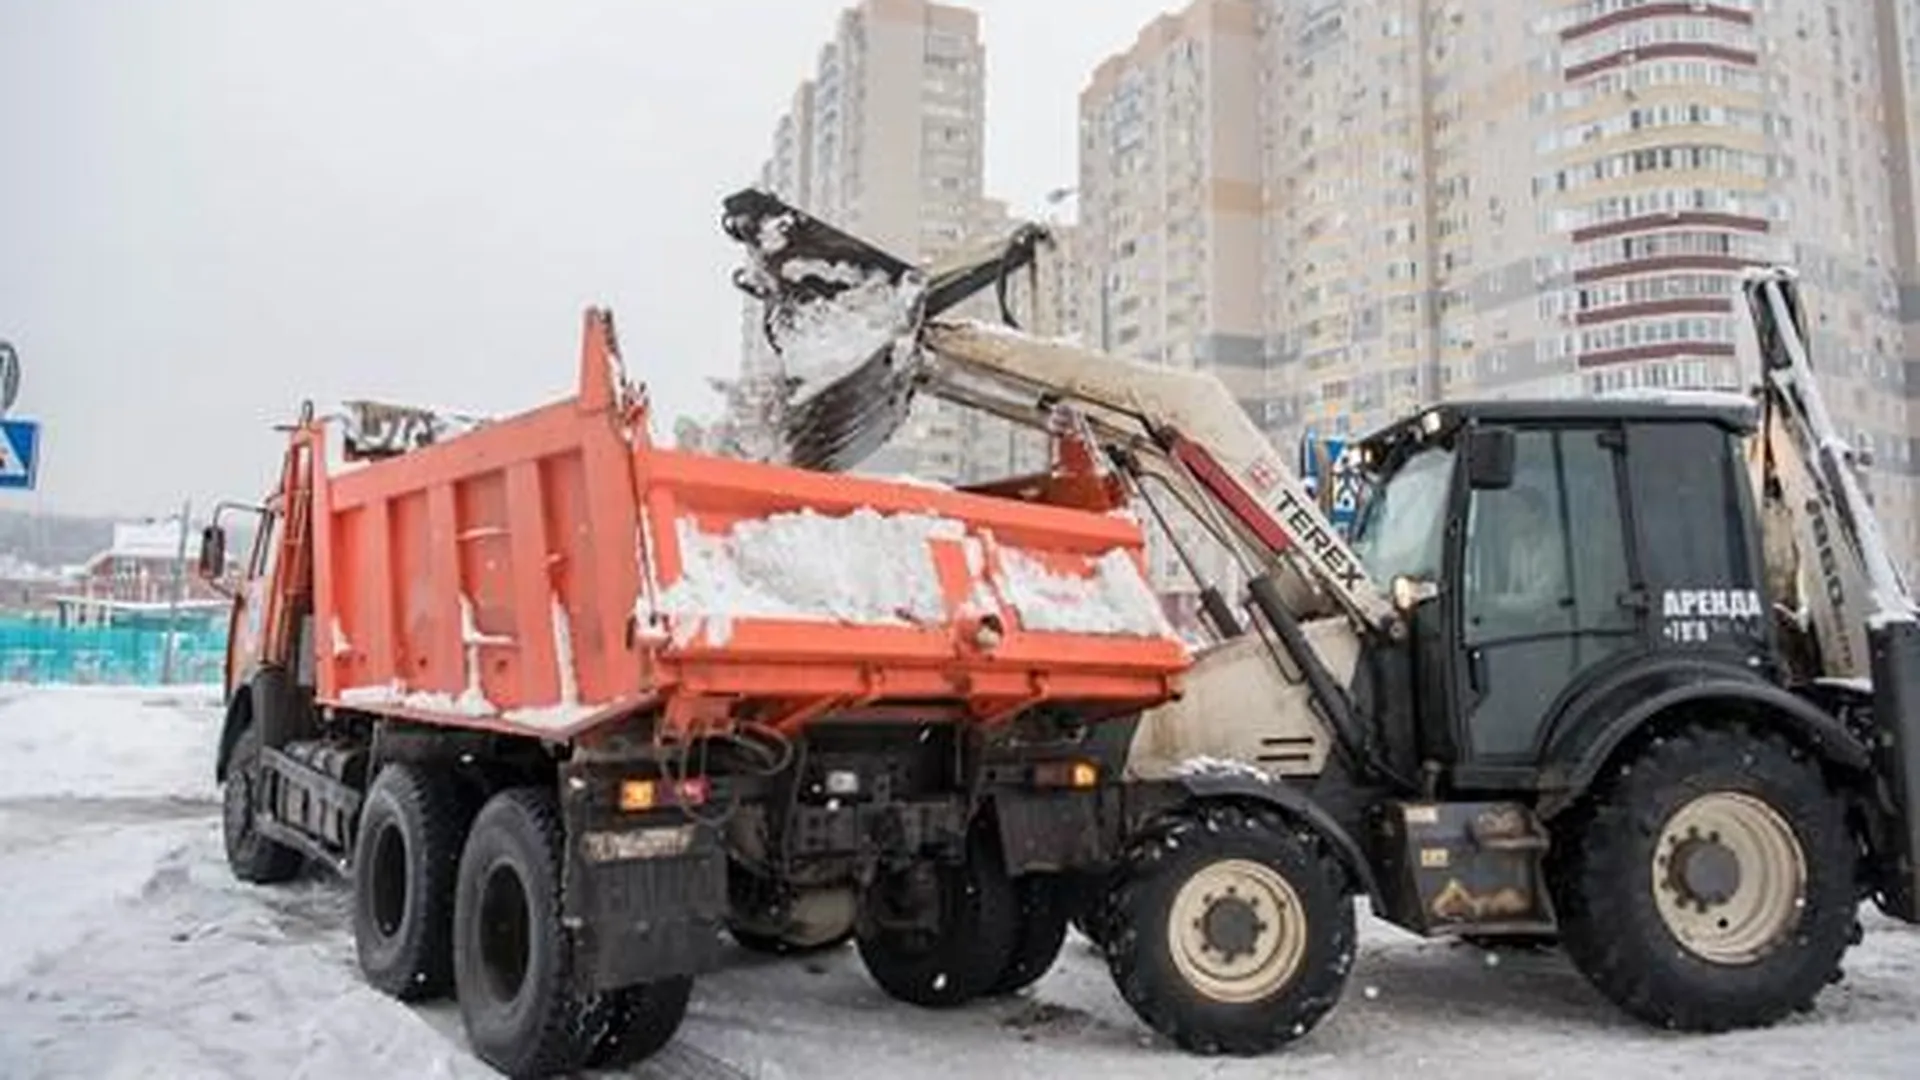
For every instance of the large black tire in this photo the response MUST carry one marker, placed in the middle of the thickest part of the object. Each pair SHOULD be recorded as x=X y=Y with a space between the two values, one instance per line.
x=974 y=944
x=1604 y=881
x=1212 y=886
x=252 y=857
x=405 y=858
x=511 y=960
x=637 y=1022
x=1042 y=931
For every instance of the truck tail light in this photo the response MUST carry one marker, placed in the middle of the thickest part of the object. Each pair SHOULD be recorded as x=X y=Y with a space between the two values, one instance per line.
x=1079 y=775
x=638 y=795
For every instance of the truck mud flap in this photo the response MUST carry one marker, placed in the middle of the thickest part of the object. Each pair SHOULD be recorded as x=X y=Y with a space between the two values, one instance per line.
x=646 y=894
x=1896 y=717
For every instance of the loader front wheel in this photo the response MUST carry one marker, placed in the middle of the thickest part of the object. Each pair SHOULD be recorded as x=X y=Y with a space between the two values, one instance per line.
x=969 y=949
x=1229 y=930
x=405 y=856
x=251 y=856
x=1708 y=883
x=511 y=961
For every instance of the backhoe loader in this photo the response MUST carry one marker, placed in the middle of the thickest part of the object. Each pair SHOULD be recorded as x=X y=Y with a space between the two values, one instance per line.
x=1634 y=674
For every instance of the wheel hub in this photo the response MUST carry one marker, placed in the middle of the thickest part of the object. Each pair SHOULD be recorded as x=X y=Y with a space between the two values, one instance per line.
x=1705 y=871
x=1232 y=925
x=1236 y=931
x=1729 y=877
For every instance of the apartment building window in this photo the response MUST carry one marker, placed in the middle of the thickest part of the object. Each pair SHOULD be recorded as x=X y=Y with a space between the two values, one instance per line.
x=1580 y=14
x=1746 y=246
x=1662 y=73
x=1670 y=200
x=1664 y=30
x=1648 y=290
x=1633 y=334
x=1661 y=159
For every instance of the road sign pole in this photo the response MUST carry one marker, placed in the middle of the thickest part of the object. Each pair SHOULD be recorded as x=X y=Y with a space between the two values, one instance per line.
x=179 y=584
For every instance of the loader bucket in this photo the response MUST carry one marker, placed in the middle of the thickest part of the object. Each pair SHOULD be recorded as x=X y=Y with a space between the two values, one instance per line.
x=842 y=316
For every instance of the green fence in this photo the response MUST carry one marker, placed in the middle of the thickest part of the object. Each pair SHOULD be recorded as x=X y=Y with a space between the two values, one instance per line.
x=43 y=653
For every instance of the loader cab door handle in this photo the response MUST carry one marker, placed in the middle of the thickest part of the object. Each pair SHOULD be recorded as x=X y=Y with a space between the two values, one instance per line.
x=1637 y=600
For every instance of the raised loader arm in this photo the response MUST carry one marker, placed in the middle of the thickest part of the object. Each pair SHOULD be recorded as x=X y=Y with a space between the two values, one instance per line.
x=870 y=328
x=1824 y=543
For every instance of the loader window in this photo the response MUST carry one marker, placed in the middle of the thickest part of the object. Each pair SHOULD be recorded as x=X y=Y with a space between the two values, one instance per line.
x=1401 y=525
x=1517 y=580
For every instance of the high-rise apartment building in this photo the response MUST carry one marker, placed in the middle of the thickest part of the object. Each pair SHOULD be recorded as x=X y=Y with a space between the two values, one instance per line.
x=1170 y=210
x=885 y=140
x=1483 y=197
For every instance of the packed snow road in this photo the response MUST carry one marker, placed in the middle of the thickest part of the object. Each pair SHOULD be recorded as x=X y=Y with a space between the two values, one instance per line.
x=126 y=950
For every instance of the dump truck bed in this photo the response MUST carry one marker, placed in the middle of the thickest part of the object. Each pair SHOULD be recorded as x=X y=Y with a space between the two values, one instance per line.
x=553 y=570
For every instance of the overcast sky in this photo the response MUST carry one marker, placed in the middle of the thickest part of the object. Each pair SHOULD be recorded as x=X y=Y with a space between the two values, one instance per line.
x=211 y=209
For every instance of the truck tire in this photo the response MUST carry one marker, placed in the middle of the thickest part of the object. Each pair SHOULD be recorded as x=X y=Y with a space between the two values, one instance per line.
x=974 y=944
x=637 y=1022
x=1042 y=932
x=511 y=958
x=1707 y=884
x=1229 y=929
x=406 y=855
x=252 y=857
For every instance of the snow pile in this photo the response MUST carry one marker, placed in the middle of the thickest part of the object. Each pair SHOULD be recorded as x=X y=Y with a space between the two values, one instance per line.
x=865 y=568
x=826 y=340
x=1116 y=599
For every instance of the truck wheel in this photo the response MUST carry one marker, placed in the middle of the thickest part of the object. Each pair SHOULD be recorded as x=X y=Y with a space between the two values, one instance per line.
x=1230 y=930
x=405 y=857
x=637 y=1022
x=1041 y=933
x=252 y=857
x=1708 y=884
x=972 y=947
x=511 y=961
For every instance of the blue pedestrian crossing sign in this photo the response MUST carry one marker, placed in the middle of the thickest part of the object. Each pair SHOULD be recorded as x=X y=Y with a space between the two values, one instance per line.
x=19 y=454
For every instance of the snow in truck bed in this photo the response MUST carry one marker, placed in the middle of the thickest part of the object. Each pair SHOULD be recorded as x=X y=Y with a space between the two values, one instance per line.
x=874 y=569
x=128 y=951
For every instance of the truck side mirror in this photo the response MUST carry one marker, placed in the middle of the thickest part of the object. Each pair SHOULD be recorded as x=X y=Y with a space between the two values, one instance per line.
x=1490 y=459
x=213 y=553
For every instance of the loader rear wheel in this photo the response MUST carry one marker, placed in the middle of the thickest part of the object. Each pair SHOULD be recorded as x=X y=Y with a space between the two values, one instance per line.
x=1230 y=930
x=1041 y=906
x=637 y=1022
x=971 y=947
x=1708 y=883
x=252 y=857
x=405 y=857
x=511 y=961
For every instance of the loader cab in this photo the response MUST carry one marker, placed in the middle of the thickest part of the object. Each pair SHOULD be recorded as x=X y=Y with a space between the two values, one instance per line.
x=1544 y=550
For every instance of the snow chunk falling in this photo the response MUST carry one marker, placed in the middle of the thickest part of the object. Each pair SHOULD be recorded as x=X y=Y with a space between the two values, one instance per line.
x=1115 y=600
x=865 y=568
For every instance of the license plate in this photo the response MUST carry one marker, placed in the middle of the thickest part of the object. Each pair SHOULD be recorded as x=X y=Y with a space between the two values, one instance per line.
x=659 y=843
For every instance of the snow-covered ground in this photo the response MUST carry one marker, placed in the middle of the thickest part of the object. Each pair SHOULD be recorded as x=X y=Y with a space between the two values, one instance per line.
x=127 y=951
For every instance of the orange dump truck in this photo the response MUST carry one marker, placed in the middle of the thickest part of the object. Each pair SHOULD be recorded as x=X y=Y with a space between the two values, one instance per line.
x=567 y=707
